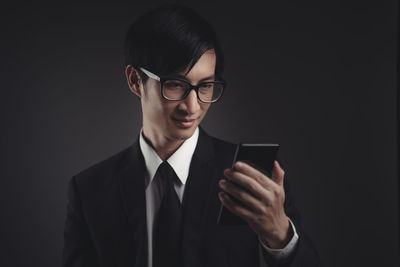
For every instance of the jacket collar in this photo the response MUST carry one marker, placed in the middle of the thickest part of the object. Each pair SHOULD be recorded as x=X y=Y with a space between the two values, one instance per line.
x=178 y=160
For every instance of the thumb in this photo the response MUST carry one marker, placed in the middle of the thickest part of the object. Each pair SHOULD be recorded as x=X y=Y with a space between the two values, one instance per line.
x=278 y=173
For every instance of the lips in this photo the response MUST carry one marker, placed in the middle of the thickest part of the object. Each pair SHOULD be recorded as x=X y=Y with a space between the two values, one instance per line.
x=184 y=123
x=184 y=120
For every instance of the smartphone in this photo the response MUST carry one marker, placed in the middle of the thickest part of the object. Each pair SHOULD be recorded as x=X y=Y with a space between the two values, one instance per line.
x=259 y=156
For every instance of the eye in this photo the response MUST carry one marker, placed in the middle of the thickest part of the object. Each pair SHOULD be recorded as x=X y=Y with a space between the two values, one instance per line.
x=173 y=84
x=206 y=85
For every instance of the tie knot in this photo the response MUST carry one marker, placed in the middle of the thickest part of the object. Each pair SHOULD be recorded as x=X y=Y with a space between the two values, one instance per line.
x=167 y=173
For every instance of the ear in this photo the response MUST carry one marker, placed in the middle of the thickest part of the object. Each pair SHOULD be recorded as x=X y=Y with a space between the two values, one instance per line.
x=134 y=80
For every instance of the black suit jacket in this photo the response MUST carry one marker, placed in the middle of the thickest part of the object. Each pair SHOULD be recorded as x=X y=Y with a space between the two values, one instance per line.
x=106 y=215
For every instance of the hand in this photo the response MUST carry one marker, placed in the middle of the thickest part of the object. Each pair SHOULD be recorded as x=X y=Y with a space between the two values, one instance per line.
x=262 y=208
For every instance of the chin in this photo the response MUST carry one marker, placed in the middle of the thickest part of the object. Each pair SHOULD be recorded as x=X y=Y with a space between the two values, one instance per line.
x=183 y=134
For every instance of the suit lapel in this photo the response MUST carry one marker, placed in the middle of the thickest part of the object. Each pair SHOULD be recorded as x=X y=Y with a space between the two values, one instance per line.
x=199 y=179
x=196 y=199
x=132 y=189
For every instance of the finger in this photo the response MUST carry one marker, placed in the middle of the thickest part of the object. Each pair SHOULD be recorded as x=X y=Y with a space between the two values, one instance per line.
x=261 y=178
x=278 y=173
x=247 y=183
x=246 y=199
x=234 y=207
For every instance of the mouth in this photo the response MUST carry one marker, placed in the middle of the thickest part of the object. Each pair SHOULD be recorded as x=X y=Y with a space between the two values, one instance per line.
x=185 y=123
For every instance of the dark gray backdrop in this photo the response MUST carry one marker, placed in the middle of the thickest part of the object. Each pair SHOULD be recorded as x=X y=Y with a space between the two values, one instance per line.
x=321 y=81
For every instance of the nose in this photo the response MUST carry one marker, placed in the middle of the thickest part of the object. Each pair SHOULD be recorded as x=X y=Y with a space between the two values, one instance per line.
x=190 y=104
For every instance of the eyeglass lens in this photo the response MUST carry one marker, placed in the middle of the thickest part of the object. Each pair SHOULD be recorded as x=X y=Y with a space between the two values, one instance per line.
x=176 y=90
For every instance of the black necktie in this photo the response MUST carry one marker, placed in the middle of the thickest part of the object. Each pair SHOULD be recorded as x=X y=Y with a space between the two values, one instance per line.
x=167 y=229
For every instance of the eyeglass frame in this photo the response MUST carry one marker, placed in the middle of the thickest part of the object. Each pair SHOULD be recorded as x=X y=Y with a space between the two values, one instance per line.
x=162 y=79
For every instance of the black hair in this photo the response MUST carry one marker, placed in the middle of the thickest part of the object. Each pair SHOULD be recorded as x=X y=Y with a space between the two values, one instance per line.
x=167 y=39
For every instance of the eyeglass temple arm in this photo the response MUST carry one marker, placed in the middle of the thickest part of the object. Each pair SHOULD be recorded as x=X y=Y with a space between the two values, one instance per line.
x=151 y=75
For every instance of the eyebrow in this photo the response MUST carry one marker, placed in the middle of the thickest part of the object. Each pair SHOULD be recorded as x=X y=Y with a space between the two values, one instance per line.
x=177 y=75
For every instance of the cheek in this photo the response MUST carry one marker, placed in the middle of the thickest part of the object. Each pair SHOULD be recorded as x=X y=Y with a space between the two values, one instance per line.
x=167 y=109
x=154 y=110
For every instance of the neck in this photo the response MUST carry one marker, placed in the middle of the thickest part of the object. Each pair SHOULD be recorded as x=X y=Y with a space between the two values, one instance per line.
x=162 y=145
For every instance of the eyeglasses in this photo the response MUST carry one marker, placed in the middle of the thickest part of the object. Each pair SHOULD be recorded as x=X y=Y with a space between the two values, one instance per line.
x=175 y=89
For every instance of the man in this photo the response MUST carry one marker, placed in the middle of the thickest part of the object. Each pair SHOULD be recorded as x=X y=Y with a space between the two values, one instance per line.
x=156 y=202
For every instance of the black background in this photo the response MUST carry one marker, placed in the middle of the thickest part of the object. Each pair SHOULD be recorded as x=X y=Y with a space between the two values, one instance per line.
x=320 y=80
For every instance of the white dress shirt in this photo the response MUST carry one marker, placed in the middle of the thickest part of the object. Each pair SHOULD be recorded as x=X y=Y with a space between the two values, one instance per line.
x=180 y=162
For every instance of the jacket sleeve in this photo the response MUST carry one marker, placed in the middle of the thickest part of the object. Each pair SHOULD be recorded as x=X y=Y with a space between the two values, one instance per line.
x=78 y=245
x=304 y=253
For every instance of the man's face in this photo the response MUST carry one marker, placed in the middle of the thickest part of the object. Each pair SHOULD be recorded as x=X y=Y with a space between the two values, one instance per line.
x=163 y=118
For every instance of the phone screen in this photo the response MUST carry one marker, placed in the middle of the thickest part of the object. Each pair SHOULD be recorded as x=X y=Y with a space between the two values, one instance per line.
x=259 y=156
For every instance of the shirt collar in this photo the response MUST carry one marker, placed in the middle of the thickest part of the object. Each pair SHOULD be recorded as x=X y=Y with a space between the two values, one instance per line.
x=178 y=160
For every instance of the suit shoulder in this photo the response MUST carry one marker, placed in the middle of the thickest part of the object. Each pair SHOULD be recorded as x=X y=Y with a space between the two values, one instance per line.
x=102 y=170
